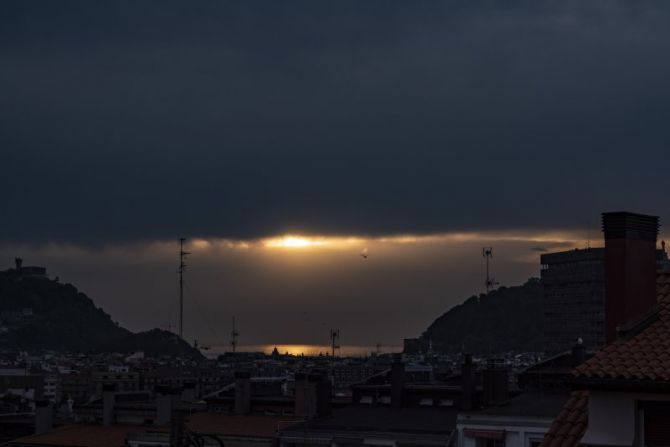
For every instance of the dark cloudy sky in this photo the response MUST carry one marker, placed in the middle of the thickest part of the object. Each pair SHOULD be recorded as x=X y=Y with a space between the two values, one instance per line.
x=124 y=125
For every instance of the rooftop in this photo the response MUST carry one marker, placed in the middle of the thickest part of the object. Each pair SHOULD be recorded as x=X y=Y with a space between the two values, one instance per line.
x=570 y=424
x=644 y=358
x=88 y=435
x=360 y=418
x=80 y=436
x=530 y=404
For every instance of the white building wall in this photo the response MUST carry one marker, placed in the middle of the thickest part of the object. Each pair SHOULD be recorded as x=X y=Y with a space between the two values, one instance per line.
x=612 y=418
x=519 y=432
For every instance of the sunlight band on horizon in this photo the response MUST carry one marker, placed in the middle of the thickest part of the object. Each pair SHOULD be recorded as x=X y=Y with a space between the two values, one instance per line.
x=306 y=241
x=298 y=241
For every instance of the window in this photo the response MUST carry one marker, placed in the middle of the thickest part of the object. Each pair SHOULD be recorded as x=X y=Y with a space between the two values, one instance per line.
x=490 y=443
x=655 y=422
x=486 y=438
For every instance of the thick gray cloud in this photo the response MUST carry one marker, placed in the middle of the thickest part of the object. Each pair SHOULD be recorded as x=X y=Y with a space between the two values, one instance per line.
x=147 y=120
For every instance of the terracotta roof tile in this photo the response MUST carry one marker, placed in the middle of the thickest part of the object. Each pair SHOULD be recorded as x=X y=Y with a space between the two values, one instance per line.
x=81 y=436
x=233 y=425
x=570 y=424
x=646 y=356
x=85 y=435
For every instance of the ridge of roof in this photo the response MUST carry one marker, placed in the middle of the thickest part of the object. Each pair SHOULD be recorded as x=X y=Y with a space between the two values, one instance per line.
x=645 y=356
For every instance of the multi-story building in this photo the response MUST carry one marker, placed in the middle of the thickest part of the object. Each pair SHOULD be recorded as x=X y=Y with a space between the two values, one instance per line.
x=346 y=374
x=128 y=381
x=52 y=387
x=77 y=386
x=574 y=298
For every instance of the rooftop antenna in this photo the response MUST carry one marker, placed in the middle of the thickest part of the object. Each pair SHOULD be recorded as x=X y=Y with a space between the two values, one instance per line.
x=182 y=268
x=334 y=336
x=487 y=252
x=233 y=337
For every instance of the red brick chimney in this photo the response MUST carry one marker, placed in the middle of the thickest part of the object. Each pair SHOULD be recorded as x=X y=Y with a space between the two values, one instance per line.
x=630 y=268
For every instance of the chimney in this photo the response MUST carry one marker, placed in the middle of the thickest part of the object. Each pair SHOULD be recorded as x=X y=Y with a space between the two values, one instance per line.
x=313 y=394
x=188 y=392
x=43 y=416
x=324 y=396
x=305 y=395
x=165 y=397
x=18 y=262
x=495 y=383
x=397 y=381
x=630 y=269
x=578 y=353
x=468 y=384
x=242 y=392
x=108 y=401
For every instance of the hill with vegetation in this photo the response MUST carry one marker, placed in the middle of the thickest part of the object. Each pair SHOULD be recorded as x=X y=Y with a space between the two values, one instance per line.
x=38 y=313
x=153 y=343
x=507 y=319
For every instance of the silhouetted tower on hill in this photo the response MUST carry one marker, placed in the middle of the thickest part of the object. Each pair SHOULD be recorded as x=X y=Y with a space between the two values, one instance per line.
x=233 y=337
x=334 y=336
x=182 y=268
x=487 y=252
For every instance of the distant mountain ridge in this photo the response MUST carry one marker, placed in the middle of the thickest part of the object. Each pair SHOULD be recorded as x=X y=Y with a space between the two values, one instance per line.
x=38 y=313
x=507 y=319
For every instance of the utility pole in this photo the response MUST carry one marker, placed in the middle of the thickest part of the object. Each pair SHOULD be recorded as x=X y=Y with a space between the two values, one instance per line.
x=487 y=252
x=334 y=336
x=182 y=268
x=233 y=336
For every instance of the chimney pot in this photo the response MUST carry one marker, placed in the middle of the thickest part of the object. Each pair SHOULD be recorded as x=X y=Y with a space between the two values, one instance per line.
x=43 y=416
x=108 y=402
x=397 y=381
x=165 y=399
x=578 y=353
x=242 y=392
x=496 y=383
x=630 y=268
x=467 y=384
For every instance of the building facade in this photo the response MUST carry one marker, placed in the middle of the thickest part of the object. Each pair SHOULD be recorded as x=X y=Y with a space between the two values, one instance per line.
x=574 y=298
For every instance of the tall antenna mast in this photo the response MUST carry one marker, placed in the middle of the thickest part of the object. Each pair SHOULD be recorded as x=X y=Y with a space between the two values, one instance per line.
x=487 y=252
x=233 y=336
x=182 y=268
x=334 y=336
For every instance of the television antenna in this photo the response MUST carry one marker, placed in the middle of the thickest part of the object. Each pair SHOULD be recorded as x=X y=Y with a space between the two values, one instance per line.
x=334 y=336
x=182 y=268
x=233 y=337
x=487 y=253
